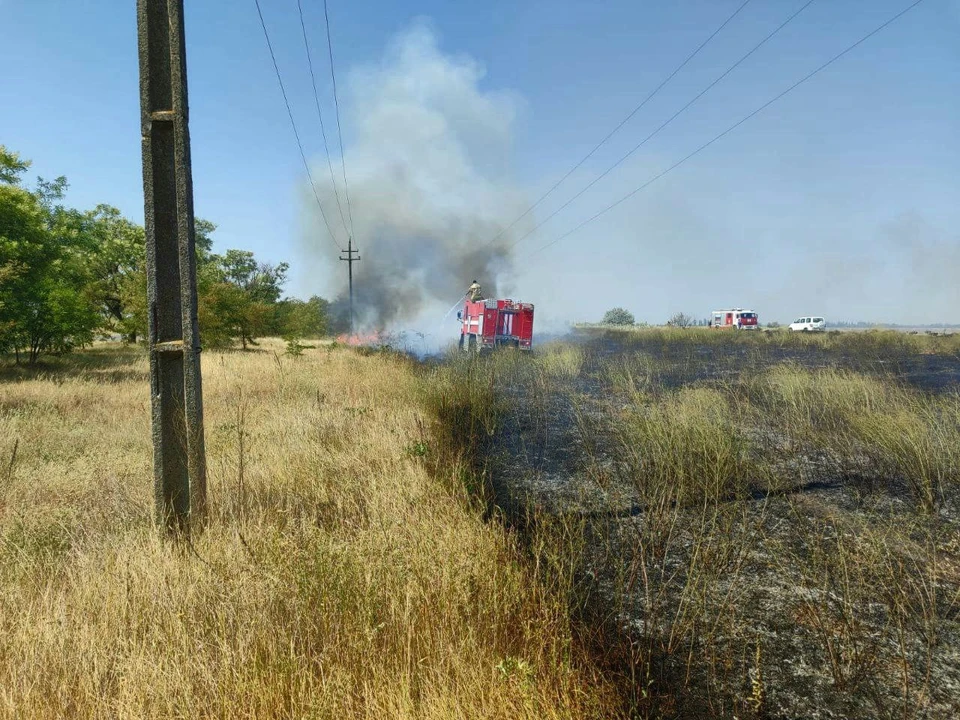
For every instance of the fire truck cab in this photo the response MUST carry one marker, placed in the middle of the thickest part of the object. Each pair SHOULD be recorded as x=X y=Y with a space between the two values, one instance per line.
x=735 y=318
x=495 y=323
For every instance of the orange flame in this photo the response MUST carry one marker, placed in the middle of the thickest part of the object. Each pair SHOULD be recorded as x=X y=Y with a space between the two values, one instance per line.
x=358 y=339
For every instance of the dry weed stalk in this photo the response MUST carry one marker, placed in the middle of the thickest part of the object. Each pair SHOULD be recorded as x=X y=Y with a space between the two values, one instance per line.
x=342 y=575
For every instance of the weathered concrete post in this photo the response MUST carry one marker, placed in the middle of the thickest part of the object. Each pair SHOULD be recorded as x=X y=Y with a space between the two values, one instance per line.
x=180 y=485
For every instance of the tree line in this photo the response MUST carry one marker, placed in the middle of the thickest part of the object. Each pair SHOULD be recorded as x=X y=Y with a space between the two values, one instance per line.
x=68 y=276
x=622 y=316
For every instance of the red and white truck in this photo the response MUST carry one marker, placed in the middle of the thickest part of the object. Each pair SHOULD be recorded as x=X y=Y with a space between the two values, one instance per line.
x=735 y=318
x=495 y=323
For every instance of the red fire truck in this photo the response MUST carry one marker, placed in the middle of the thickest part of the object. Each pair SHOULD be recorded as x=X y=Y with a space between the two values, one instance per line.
x=735 y=318
x=495 y=323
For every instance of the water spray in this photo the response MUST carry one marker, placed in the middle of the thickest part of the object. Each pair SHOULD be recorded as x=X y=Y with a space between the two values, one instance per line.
x=453 y=307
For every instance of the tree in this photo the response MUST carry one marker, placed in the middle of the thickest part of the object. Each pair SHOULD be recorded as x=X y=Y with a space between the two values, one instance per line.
x=300 y=319
x=115 y=255
x=239 y=297
x=220 y=310
x=65 y=274
x=132 y=283
x=618 y=316
x=232 y=289
x=24 y=253
x=11 y=166
x=43 y=305
x=203 y=243
x=681 y=320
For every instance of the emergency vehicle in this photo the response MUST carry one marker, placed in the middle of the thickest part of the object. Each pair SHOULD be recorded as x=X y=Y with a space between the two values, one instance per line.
x=735 y=318
x=495 y=323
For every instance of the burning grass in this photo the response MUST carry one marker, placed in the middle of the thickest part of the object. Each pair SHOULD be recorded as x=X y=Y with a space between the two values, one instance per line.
x=345 y=570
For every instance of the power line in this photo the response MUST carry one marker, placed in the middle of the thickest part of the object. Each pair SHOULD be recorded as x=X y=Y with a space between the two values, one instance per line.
x=336 y=103
x=293 y=124
x=623 y=122
x=323 y=131
x=669 y=120
x=733 y=127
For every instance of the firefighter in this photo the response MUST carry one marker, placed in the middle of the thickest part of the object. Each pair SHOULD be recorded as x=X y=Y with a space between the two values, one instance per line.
x=474 y=293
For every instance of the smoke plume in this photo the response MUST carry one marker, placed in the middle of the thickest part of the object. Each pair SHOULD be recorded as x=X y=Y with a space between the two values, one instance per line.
x=428 y=172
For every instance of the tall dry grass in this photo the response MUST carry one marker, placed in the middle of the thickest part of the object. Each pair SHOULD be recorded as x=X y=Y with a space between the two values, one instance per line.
x=344 y=571
x=875 y=431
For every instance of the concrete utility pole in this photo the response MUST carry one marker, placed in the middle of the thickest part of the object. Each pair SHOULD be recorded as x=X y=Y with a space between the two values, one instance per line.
x=180 y=484
x=350 y=260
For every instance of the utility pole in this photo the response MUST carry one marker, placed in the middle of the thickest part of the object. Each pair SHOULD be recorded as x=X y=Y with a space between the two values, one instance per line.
x=350 y=260
x=179 y=461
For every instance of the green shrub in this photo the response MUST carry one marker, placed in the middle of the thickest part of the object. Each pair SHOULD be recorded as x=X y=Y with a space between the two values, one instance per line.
x=618 y=316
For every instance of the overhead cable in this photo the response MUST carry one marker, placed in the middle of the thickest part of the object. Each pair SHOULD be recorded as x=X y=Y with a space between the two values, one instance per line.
x=293 y=124
x=623 y=122
x=336 y=103
x=733 y=127
x=663 y=125
x=323 y=131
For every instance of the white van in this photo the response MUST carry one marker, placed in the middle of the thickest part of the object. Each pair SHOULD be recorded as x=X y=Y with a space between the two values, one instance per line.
x=808 y=324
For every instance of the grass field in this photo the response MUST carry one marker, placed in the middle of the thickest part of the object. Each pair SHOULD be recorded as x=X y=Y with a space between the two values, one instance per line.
x=769 y=523
x=345 y=570
x=694 y=524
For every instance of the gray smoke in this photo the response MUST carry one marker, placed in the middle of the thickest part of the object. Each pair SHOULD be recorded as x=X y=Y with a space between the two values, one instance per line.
x=923 y=264
x=429 y=183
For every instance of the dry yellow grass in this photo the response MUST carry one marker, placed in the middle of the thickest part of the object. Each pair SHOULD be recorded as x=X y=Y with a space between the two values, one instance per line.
x=343 y=572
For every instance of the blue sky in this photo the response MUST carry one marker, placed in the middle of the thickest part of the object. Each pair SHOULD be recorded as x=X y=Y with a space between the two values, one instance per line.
x=841 y=199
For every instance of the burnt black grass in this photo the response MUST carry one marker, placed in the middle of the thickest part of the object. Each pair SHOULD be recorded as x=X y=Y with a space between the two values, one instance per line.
x=769 y=522
x=927 y=361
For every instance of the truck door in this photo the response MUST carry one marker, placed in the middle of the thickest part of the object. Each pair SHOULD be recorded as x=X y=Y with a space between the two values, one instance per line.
x=491 y=324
